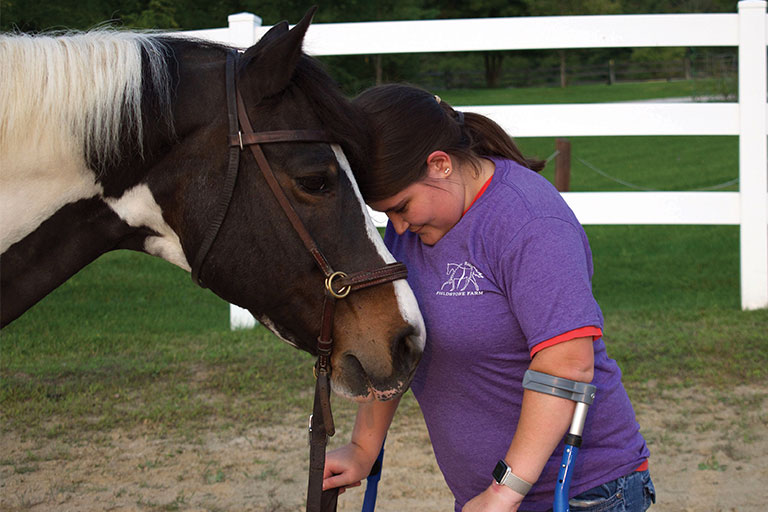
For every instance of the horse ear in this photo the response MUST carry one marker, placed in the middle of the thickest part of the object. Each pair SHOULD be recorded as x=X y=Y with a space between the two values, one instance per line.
x=273 y=59
x=276 y=30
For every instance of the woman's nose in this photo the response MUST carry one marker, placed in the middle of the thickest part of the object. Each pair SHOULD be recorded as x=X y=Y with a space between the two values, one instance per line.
x=398 y=223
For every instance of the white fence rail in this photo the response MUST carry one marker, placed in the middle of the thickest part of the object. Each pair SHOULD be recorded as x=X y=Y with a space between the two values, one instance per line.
x=746 y=30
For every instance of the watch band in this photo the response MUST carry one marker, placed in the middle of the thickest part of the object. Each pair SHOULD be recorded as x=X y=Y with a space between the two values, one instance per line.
x=503 y=475
x=516 y=483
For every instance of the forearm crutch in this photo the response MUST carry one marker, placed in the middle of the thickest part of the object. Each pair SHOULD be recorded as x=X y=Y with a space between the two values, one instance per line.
x=581 y=393
x=372 y=482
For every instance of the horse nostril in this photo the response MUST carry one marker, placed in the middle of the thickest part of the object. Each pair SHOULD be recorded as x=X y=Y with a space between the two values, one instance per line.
x=355 y=375
x=406 y=352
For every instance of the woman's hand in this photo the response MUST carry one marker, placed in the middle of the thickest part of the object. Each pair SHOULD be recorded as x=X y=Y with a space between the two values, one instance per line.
x=496 y=498
x=346 y=467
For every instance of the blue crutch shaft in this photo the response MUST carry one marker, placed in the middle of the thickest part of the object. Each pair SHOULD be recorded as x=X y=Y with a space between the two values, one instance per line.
x=372 y=482
x=560 y=503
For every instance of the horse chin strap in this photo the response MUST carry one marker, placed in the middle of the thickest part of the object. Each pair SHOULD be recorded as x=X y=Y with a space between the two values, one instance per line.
x=337 y=284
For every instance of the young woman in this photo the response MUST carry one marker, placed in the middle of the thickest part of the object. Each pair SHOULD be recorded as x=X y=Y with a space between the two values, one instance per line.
x=502 y=271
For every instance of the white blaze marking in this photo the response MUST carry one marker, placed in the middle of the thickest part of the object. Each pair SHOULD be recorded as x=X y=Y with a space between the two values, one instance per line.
x=138 y=208
x=406 y=300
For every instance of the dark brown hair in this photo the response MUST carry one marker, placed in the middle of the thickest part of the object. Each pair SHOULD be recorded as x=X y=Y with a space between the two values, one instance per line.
x=410 y=123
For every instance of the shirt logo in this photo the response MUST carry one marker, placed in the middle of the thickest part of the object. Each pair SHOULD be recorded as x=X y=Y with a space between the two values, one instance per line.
x=462 y=280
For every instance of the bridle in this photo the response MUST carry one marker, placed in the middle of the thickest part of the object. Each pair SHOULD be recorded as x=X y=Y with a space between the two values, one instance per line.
x=337 y=284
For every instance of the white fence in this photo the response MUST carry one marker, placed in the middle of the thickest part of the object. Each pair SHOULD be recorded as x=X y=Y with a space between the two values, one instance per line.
x=746 y=30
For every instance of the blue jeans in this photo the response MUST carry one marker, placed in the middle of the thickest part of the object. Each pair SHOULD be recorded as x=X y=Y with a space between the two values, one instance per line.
x=631 y=493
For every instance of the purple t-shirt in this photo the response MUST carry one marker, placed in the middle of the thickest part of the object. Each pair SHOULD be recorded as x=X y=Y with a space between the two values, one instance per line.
x=514 y=272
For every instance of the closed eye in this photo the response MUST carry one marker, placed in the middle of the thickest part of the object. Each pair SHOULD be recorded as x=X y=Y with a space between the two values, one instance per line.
x=313 y=184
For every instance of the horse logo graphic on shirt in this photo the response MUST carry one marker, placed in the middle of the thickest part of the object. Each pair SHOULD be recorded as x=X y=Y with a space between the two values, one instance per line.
x=460 y=276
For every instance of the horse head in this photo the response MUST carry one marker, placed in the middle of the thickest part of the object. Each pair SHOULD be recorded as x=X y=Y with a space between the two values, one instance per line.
x=257 y=261
x=159 y=189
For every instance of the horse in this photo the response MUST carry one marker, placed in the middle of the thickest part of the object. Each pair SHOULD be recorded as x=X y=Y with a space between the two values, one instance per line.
x=120 y=140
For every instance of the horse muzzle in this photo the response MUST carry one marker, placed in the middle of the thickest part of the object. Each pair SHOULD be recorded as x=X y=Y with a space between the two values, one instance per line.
x=365 y=371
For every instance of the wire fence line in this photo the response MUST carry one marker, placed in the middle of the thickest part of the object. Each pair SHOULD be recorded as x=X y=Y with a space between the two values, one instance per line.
x=713 y=73
x=635 y=186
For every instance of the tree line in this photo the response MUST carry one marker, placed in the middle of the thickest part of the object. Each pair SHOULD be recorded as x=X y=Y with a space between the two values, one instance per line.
x=357 y=72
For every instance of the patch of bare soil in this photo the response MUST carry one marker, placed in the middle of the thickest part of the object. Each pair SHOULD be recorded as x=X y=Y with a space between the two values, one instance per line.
x=709 y=453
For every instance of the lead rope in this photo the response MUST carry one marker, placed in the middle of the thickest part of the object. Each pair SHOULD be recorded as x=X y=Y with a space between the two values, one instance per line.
x=321 y=426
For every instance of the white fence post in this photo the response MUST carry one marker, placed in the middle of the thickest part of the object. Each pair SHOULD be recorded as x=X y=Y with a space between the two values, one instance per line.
x=242 y=33
x=242 y=29
x=753 y=154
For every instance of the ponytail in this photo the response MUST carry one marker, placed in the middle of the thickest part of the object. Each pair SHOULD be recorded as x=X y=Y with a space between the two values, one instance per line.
x=489 y=139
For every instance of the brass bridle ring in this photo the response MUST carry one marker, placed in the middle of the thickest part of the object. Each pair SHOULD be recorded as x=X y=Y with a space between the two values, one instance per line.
x=329 y=286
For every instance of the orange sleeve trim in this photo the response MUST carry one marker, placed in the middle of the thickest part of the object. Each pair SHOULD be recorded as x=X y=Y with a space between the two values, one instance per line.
x=581 y=332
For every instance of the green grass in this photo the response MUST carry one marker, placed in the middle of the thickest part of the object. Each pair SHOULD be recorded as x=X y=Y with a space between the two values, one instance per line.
x=670 y=313
x=131 y=341
x=665 y=268
x=579 y=93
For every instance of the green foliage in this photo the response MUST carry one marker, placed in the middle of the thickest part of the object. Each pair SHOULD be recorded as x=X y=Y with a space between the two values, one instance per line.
x=658 y=54
x=573 y=7
x=480 y=8
x=159 y=14
x=29 y=16
x=676 y=6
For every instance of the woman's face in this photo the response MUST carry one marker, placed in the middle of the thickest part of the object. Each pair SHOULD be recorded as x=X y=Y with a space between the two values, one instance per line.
x=430 y=207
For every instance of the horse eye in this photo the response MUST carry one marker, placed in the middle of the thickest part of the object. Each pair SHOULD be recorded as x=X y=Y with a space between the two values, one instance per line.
x=313 y=184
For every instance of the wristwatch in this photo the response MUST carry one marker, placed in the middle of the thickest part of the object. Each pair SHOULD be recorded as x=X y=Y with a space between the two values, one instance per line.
x=503 y=475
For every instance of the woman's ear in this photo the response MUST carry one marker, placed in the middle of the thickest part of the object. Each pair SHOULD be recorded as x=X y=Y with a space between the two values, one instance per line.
x=439 y=165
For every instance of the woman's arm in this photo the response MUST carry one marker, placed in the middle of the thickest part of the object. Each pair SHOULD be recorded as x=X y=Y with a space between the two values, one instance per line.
x=544 y=420
x=348 y=465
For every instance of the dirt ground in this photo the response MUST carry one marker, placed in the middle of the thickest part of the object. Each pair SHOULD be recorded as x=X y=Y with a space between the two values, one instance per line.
x=709 y=453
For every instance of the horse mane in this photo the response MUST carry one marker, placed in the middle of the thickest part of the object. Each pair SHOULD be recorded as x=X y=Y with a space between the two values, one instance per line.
x=90 y=86
x=87 y=85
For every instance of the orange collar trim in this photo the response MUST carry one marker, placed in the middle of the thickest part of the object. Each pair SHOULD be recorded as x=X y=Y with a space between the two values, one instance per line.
x=479 y=193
